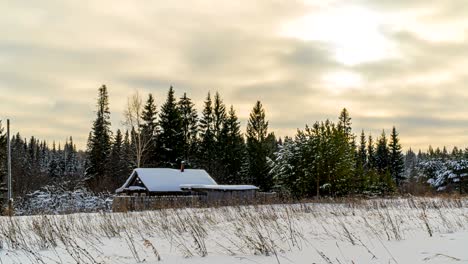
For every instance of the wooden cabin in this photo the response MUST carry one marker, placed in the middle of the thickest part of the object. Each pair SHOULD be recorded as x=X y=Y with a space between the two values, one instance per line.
x=165 y=182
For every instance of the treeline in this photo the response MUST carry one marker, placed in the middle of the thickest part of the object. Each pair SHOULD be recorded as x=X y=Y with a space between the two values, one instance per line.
x=438 y=170
x=176 y=133
x=325 y=159
x=35 y=164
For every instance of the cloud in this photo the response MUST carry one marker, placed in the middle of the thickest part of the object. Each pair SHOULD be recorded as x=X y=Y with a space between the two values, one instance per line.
x=54 y=55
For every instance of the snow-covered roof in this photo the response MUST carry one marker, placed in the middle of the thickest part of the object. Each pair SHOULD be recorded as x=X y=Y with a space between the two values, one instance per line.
x=218 y=187
x=167 y=180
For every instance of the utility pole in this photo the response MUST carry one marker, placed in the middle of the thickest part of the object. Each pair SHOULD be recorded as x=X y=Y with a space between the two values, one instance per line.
x=10 y=191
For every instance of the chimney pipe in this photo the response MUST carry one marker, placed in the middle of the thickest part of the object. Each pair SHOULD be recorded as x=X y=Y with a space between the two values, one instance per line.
x=182 y=166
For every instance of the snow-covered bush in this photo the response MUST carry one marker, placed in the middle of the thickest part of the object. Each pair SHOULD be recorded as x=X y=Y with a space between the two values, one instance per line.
x=56 y=200
x=444 y=173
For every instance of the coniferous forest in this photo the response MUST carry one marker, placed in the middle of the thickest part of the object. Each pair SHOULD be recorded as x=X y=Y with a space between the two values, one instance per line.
x=325 y=158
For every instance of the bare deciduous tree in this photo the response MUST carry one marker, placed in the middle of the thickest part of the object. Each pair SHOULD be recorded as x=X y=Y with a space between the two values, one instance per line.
x=134 y=122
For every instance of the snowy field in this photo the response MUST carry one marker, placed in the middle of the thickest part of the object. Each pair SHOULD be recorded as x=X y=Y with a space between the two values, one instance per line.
x=375 y=231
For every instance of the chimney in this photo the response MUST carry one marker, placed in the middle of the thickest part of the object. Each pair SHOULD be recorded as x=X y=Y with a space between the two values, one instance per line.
x=182 y=166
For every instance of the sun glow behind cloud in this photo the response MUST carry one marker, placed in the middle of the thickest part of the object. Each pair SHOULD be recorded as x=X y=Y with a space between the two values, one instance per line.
x=354 y=33
x=340 y=81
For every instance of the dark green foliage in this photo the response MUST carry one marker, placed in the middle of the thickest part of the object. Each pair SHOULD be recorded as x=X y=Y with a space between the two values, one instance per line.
x=3 y=157
x=397 y=162
x=382 y=155
x=170 y=139
x=100 y=144
x=148 y=133
x=320 y=161
x=189 y=128
x=118 y=162
x=206 y=156
x=259 y=149
x=232 y=150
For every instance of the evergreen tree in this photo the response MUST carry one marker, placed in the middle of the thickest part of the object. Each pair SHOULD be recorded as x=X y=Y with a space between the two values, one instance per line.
x=207 y=139
x=219 y=116
x=257 y=148
x=54 y=166
x=385 y=183
x=189 y=127
x=219 y=119
x=362 y=152
x=371 y=162
x=149 y=132
x=233 y=149
x=100 y=143
x=382 y=154
x=3 y=161
x=117 y=165
x=171 y=136
x=126 y=157
x=397 y=163
x=344 y=124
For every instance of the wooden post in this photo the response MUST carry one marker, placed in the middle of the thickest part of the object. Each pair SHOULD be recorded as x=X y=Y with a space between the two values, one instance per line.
x=10 y=190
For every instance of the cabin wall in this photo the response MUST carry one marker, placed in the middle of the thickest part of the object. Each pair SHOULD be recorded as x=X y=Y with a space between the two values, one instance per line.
x=201 y=198
x=141 y=203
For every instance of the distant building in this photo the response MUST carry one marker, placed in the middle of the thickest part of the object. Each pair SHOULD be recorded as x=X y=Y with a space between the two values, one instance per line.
x=183 y=182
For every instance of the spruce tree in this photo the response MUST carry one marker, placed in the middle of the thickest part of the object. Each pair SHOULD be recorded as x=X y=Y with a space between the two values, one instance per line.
x=257 y=148
x=207 y=140
x=370 y=153
x=170 y=138
x=3 y=161
x=362 y=152
x=149 y=132
x=219 y=118
x=100 y=143
x=382 y=159
x=189 y=127
x=397 y=162
x=344 y=124
x=117 y=164
x=219 y=115
x=382 y=155
x=125 y=156
x=233 y=149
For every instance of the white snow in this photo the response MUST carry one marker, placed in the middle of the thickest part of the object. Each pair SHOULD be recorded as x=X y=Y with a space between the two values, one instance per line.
x=168 y=180
x=415 y=230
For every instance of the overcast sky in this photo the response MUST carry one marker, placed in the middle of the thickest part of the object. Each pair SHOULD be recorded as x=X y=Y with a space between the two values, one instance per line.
x=390 y=62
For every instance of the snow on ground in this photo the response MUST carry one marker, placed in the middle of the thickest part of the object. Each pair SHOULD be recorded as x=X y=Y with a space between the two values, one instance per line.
x=414 y=230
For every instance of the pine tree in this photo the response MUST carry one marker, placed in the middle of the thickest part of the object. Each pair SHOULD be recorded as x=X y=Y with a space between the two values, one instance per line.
x=3 y=161
x=170 y=138
x=257 y=148
x=344 y=124
x=207 y=140
x=71 y=159
x=233 y=149
x=382 y=154
x=397 y=163
x=189 y=127
x=382 y=160
x=219 y=116
x=126 y=158
x=54 y=170
x=117 y=164
x=100 y=143
x=219 y=119
x=149 y=132
x=371 y=163
x=362 y=153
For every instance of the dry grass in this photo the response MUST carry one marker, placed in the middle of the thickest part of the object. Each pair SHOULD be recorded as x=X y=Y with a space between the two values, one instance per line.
x=269 y=230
